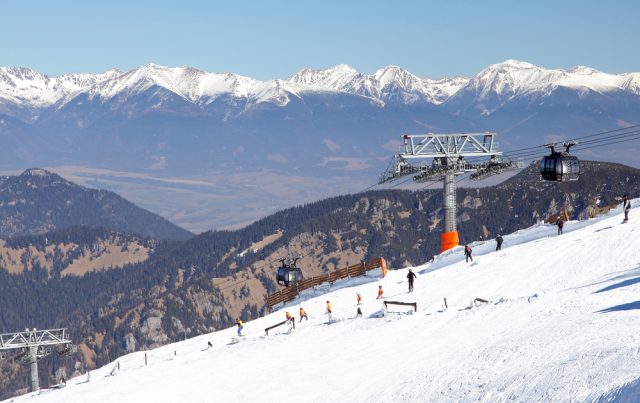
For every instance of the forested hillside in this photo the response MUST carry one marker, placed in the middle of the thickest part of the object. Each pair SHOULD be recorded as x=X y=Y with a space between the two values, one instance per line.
x=37 y=201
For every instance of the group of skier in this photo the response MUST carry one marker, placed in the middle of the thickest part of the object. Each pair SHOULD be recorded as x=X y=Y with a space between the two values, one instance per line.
x=626 y=206
x=411 y=276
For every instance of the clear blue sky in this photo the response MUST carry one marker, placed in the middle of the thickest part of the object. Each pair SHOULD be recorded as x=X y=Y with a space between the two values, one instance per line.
x=274 y=39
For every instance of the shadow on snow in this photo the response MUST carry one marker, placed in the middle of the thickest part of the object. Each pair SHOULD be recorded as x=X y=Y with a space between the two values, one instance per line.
x=622 y=307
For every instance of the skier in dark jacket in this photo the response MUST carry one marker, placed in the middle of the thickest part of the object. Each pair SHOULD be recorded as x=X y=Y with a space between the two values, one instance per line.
x=626 y=206
x=560 y=224
x=411 y=276
x=467 y=253
x=499 y=242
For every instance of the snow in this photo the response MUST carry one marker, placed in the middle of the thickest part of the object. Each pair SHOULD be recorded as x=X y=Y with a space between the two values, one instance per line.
x=561 y=324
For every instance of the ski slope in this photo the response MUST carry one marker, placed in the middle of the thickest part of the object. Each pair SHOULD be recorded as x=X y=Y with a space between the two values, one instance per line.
x=561 y=325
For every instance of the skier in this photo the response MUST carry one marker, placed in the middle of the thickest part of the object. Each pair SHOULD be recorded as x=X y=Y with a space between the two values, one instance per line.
x=329 y=311
x=626 y=206
x=240 y=326
x=358 y=312
x=359 y=298
x=560 y=224
x=411 y=276
x=290 y=320
x=467 y=253
x=380 y=292
x=498 y=242
x=303 y=314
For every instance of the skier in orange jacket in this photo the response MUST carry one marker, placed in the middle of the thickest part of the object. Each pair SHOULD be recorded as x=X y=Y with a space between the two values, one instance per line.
x=380 y=292
x=303 y=314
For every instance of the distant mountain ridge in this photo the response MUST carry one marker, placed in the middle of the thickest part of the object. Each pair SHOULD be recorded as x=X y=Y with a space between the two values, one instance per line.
x=38 y=201
x=26 y=88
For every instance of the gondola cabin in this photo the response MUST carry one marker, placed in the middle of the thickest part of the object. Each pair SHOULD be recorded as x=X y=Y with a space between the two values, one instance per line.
x=288 y=274
x=560 y=166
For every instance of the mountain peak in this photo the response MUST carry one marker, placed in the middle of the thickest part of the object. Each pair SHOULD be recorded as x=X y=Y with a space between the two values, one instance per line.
x=515 y=64
x=395 y=74
x=343 y=68
x=328 y=77
x=39 y=172
x=583 y=70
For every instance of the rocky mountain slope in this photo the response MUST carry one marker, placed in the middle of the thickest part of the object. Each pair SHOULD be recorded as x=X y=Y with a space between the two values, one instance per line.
x=191 y=287
x=37 y=201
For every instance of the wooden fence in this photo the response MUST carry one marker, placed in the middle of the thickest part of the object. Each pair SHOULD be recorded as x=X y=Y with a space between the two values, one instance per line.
x=293 y=324
x=412 y=304
x=292 y=292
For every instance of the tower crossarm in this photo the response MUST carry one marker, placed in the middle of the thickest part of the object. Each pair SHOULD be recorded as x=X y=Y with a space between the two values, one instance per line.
x=32 y=338
x=448 y=145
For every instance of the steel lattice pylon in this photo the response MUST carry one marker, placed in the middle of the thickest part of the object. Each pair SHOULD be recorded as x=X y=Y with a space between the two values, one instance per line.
x=448 y=155
x=34 y=345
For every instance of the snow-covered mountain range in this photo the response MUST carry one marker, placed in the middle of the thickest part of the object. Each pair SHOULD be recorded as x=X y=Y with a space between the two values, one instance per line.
x=27 y=88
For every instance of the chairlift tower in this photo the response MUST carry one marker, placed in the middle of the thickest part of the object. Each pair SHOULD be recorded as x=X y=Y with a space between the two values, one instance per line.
x=429 y=157
x=34 y=345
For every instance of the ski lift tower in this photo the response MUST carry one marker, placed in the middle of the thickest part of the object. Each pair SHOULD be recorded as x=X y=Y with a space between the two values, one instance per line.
x=448 y=155
x=34 y=345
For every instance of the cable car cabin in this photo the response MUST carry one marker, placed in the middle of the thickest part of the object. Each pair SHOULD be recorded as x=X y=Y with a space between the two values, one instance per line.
x=560 y=166
x=288 y=275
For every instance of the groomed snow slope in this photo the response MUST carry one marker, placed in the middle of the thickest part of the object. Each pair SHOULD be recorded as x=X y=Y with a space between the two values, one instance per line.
x=562 y=324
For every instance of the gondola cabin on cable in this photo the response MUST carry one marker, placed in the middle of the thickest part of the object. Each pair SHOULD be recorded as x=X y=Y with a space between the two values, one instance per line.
x=560 y=166
x=288 y=273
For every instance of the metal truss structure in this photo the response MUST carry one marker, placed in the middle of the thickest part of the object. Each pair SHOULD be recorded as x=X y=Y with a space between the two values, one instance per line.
x=430 y=157
x=34 y=345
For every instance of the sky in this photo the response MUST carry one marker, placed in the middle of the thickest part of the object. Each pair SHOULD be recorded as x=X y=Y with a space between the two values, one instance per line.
x=275 y=39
